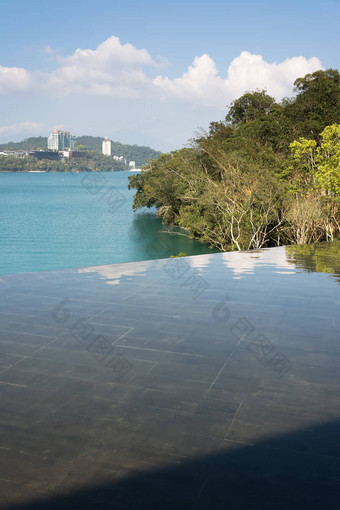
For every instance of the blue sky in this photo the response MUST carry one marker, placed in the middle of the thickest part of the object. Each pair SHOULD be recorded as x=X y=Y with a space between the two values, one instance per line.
x=149 y=72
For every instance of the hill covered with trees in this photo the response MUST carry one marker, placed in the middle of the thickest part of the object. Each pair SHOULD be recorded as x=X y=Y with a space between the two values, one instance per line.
x=137 y=153
x=269 y=174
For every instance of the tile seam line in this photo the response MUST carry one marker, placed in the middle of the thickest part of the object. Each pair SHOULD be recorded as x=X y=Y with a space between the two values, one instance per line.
x=28 y=356
x=25 y=333
x=225 y=364
x=233 y=420
x=170 y=352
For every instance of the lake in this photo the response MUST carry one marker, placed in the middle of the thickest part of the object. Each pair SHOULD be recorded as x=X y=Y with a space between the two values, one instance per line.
x=62 y=220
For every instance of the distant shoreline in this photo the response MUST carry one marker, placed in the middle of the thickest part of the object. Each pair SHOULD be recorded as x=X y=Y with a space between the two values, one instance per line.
x=65 y=171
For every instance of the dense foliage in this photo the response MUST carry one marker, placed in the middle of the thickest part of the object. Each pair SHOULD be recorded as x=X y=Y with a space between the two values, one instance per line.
x=268 y=175
x=91 y=162
x=137 y=153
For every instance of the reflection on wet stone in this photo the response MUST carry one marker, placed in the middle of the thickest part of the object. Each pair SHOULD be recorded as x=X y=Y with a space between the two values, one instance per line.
x=196 y=382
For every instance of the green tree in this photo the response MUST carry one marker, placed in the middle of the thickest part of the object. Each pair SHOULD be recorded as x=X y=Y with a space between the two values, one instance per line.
x=328 y=160
x=317 y=103
x=163 y=184
x=257 y=116
x=250 y=106
x=305 y=220
x=317 y=165
x=218 y=196
x=304 y=165
x=315 y=180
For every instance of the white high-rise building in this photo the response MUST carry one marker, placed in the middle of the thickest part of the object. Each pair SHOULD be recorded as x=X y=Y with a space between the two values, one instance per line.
x=53 y=141
x=106 y=147
x=60 y=140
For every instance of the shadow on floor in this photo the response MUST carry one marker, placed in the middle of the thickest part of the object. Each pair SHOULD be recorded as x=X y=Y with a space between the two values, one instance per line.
x=300 y=470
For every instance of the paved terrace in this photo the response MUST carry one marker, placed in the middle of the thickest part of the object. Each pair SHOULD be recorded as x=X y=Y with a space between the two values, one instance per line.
x=207 y=382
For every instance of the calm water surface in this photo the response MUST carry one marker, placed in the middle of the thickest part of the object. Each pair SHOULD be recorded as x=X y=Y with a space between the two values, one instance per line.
x=54 y=220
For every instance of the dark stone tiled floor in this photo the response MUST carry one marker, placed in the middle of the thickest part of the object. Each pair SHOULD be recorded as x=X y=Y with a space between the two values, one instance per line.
x=196 y=383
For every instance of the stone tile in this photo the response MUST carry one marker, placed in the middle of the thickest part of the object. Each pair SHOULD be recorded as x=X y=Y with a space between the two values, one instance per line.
x=141 y=394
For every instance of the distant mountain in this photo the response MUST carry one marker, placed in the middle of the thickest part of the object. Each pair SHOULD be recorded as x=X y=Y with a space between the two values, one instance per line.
x=29 y=144
x=137 y=153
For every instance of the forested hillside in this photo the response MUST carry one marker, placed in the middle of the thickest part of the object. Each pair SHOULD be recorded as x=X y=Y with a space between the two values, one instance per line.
x=269 y=174
x=29 y=144
x=137 y=153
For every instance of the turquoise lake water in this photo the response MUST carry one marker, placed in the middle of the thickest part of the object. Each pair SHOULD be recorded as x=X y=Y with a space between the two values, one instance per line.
x=61 y=220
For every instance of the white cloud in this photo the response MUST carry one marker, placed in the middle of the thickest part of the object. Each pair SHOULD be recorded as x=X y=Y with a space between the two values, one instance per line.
x=14 y=79
x=21 y=127
x=112 y=69
x=198 y=83
x=249 y=72
x=121 y=70
x=202 y=84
